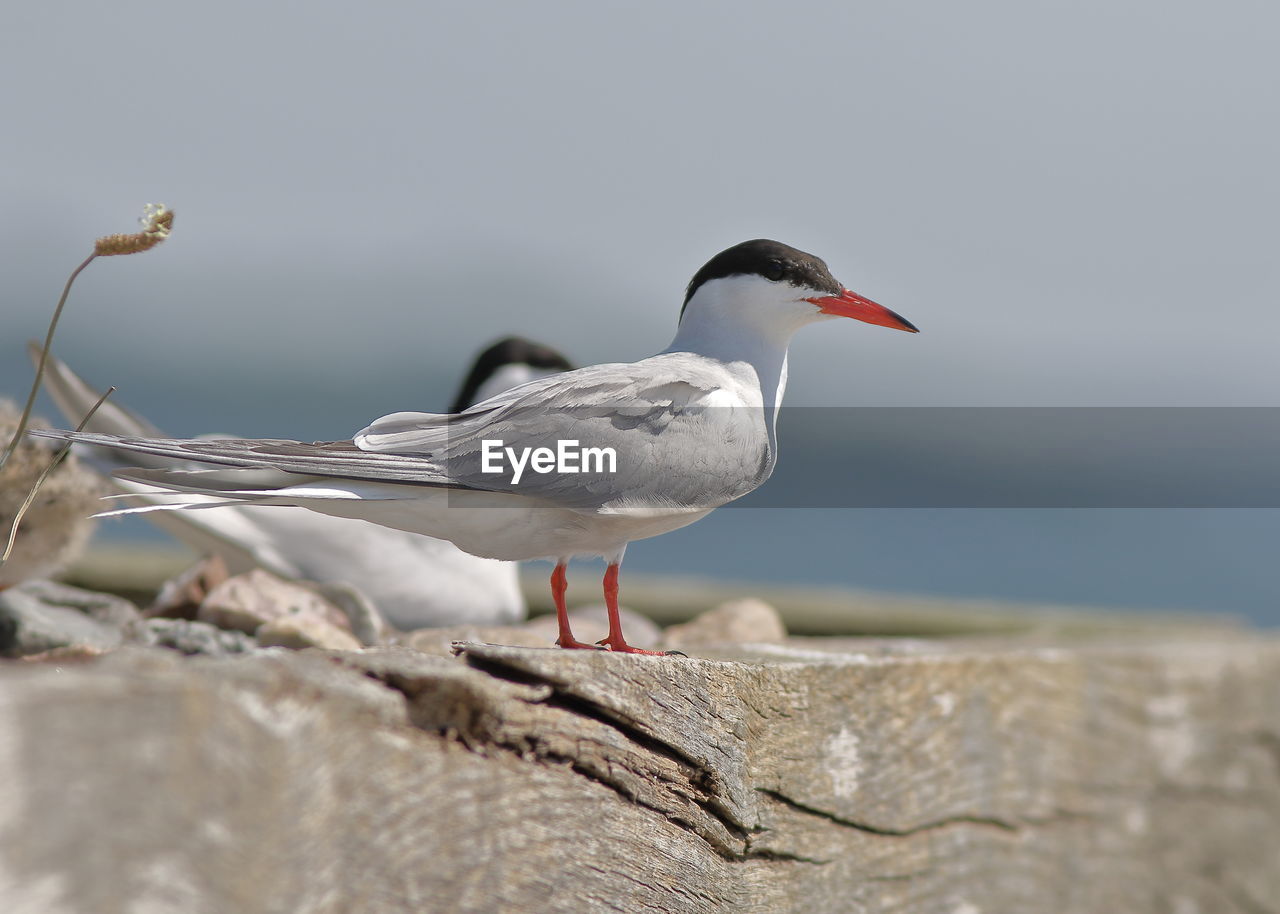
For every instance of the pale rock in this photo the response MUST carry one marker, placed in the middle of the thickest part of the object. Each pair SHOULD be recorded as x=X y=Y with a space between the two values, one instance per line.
x=180 y=596
x=42 y=616
x=103 y=607
x=363 y=618
x=305 y=630
x=746 y=621
x=248 y=601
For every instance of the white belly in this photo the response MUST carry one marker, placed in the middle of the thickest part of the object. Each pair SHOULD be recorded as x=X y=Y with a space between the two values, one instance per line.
x=497 y=526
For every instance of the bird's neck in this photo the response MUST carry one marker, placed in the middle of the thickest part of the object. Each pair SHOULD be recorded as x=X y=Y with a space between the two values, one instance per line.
x=764 y=352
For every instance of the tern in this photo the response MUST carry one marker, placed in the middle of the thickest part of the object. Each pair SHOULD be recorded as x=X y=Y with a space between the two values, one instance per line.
x=414 y=581
x=692 y=428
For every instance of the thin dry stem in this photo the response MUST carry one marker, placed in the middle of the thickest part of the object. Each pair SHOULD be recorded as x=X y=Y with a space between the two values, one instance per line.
x=44 y=355
x=35 y=488
x=157 y=222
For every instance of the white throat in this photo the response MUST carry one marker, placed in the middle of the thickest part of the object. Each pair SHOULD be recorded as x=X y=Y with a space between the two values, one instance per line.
x=744 y=319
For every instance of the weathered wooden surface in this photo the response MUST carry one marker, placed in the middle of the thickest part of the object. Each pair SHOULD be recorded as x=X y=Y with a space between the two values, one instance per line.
x=818 y=776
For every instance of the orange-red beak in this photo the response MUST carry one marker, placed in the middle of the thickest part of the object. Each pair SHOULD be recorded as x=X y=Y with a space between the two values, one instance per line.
x=851 y=304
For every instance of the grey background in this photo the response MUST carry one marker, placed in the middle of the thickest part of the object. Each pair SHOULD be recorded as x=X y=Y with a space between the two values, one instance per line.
x=1075 y=202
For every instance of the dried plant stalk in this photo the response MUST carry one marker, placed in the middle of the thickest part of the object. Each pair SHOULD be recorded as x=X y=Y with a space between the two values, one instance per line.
x=157 y=222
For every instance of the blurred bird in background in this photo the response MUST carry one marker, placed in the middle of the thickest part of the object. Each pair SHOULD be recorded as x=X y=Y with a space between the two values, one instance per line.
x=414 y=581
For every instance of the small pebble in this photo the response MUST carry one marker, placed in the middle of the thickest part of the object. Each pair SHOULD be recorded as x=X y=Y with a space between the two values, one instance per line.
x=194 y=638
x=180 y=596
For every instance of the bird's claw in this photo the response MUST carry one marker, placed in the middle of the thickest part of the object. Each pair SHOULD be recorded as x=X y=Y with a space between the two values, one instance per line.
x=620 y=646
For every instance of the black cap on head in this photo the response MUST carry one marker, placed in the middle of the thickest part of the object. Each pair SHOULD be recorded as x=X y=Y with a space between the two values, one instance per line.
x=512 y=350
x=775 y=261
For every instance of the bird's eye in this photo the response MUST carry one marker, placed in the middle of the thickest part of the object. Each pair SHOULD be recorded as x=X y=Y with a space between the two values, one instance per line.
x=774 y=271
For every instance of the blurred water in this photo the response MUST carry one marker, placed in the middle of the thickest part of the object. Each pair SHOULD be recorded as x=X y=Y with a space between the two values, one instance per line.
x=1210 y=560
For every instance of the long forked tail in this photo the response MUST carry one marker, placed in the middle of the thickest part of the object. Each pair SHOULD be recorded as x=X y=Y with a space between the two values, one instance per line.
x=189 y=489
x=293 y=461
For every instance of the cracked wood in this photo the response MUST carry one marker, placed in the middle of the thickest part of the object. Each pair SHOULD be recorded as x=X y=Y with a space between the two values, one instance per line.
x=981 y=776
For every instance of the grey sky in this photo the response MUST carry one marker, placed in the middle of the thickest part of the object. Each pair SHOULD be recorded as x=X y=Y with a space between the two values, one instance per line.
x=1075 y=202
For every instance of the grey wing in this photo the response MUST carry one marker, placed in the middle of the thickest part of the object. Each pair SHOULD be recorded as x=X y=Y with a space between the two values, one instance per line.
x=665 y=434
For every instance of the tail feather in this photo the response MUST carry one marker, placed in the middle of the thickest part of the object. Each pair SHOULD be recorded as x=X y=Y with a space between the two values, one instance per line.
x=331 y=459
x=192 y=505
x=210 y=479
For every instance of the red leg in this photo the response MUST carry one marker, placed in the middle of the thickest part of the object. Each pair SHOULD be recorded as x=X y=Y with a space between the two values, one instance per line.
x=615 y=641
x=560 y=584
